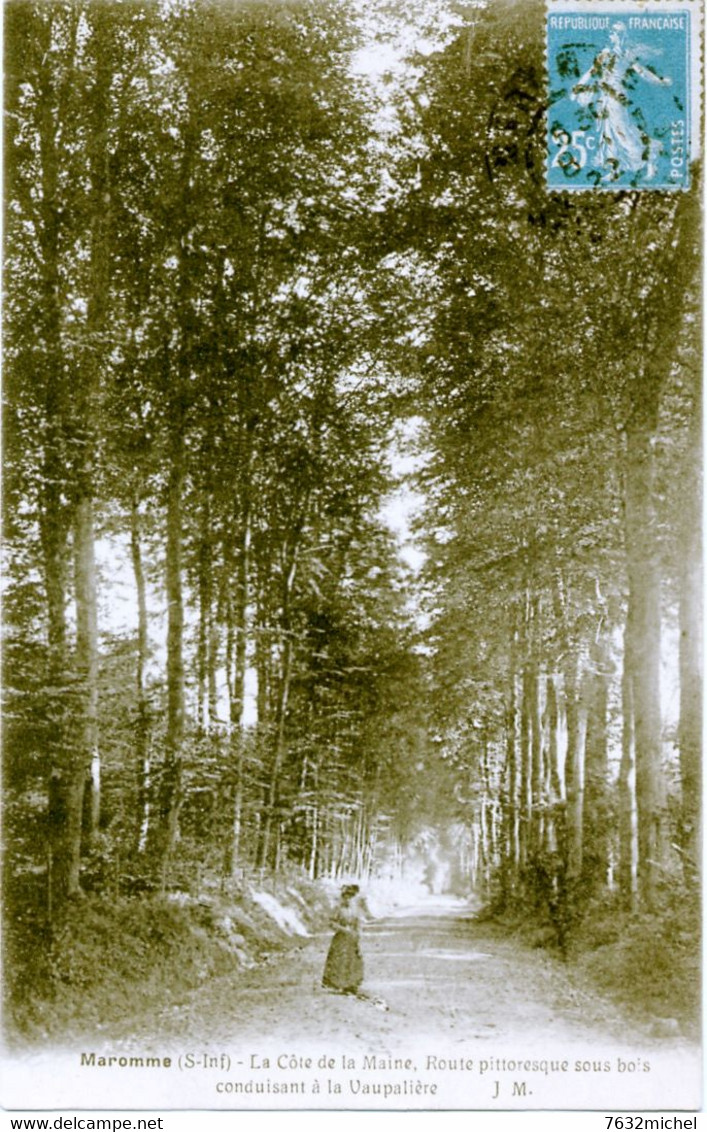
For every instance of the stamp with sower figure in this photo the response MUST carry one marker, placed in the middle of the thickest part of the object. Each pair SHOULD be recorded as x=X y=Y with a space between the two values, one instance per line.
x=623 y=94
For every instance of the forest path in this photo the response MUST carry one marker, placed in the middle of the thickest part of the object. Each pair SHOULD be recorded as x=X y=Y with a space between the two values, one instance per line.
x=473 y=1020
x=445 y=978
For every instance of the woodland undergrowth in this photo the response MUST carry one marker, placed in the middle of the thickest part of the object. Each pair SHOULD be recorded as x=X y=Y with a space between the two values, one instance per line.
x=109 y=957
x=647 y=962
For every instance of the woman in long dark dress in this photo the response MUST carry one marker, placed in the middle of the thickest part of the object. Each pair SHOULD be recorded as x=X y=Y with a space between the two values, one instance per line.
x=343 y=970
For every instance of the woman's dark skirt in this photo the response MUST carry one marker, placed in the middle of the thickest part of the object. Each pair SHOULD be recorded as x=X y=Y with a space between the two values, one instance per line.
x=343 y=970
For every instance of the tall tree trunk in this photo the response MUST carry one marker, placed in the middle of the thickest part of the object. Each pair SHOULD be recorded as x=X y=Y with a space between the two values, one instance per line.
x=240 y=621
x=314 y=835
x=170 y=800
x=628 y=821
x=691 y=589
x=204 y=589
x=280 y=746
x=663 y=320
x=237 y=650
x=595 y=819
x=263 y=658
x=643 y=655
x=537 y=820
x=233 y=844
x=213 y=651
x=574 y=773
x=510 y=801
x=65 y=778
x=87 y=660
x=178 y=365
x=290 y=559
x=553 y=777
x=525 y=767
x=88 y=410
x=142 y=722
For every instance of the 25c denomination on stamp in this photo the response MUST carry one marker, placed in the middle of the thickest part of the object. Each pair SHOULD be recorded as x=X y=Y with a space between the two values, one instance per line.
x=623 y=94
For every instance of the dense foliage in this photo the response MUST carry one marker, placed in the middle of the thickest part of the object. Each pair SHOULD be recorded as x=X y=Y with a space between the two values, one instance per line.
x=197 y=394
x=234 y=266
x=562 y=388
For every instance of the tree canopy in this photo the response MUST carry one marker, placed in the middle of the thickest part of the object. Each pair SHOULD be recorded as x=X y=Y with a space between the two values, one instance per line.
x=236 y=262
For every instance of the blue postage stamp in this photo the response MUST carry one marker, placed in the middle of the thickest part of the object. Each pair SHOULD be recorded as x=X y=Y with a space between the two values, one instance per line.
x=620 y=95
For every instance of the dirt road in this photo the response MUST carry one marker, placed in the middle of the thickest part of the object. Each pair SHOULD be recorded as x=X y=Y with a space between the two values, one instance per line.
x=442 y=976
x=466 y=1020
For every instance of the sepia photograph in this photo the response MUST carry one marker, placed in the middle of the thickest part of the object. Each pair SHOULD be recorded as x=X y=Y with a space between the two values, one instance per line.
x=352 y=556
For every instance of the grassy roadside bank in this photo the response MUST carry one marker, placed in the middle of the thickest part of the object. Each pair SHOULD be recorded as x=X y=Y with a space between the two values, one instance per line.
x=648 y=965
x=109 y=958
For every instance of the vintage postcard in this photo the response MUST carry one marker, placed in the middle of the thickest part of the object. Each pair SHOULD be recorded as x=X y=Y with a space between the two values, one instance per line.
x=353 y=567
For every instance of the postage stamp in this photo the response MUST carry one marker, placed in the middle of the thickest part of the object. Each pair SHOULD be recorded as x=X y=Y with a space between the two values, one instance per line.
x=623 y=101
